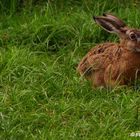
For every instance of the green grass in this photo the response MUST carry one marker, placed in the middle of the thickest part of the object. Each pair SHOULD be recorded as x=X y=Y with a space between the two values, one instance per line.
x=41 y=95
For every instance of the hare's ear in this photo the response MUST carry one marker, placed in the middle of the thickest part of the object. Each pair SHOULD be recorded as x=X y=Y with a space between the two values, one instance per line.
x=108 y=24
x=115 y=19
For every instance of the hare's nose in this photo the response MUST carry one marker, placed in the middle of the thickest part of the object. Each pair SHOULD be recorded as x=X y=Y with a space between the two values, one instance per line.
x=138 y=39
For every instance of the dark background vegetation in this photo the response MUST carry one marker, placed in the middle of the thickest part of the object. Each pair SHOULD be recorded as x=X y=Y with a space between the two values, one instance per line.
x=13 y=6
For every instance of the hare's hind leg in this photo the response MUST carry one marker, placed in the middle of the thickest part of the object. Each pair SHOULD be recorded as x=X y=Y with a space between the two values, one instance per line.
x=113 y=77
x=97 y=79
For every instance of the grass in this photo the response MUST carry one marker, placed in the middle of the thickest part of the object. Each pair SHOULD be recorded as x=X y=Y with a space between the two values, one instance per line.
x=41 y=95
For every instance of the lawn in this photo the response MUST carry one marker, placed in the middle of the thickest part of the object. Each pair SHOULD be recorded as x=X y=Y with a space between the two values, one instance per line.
x=41 y=95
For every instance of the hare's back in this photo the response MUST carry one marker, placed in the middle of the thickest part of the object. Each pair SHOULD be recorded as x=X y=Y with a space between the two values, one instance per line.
x=97 y=58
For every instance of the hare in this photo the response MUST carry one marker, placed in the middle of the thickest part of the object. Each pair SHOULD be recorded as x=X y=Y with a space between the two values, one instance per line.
x=112 y=64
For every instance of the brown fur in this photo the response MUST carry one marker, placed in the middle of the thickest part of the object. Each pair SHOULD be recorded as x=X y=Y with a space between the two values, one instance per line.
x=112 y=64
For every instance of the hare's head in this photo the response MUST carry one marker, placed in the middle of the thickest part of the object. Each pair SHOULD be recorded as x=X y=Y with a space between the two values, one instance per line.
x=130 y=38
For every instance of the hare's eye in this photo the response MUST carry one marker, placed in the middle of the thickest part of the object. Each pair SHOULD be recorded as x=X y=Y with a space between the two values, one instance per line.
x=133 y=36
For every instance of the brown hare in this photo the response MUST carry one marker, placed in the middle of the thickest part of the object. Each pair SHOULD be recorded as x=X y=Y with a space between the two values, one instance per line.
x=111 y=64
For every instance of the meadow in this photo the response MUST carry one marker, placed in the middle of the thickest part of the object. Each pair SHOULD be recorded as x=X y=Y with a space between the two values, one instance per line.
x=41 y=95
